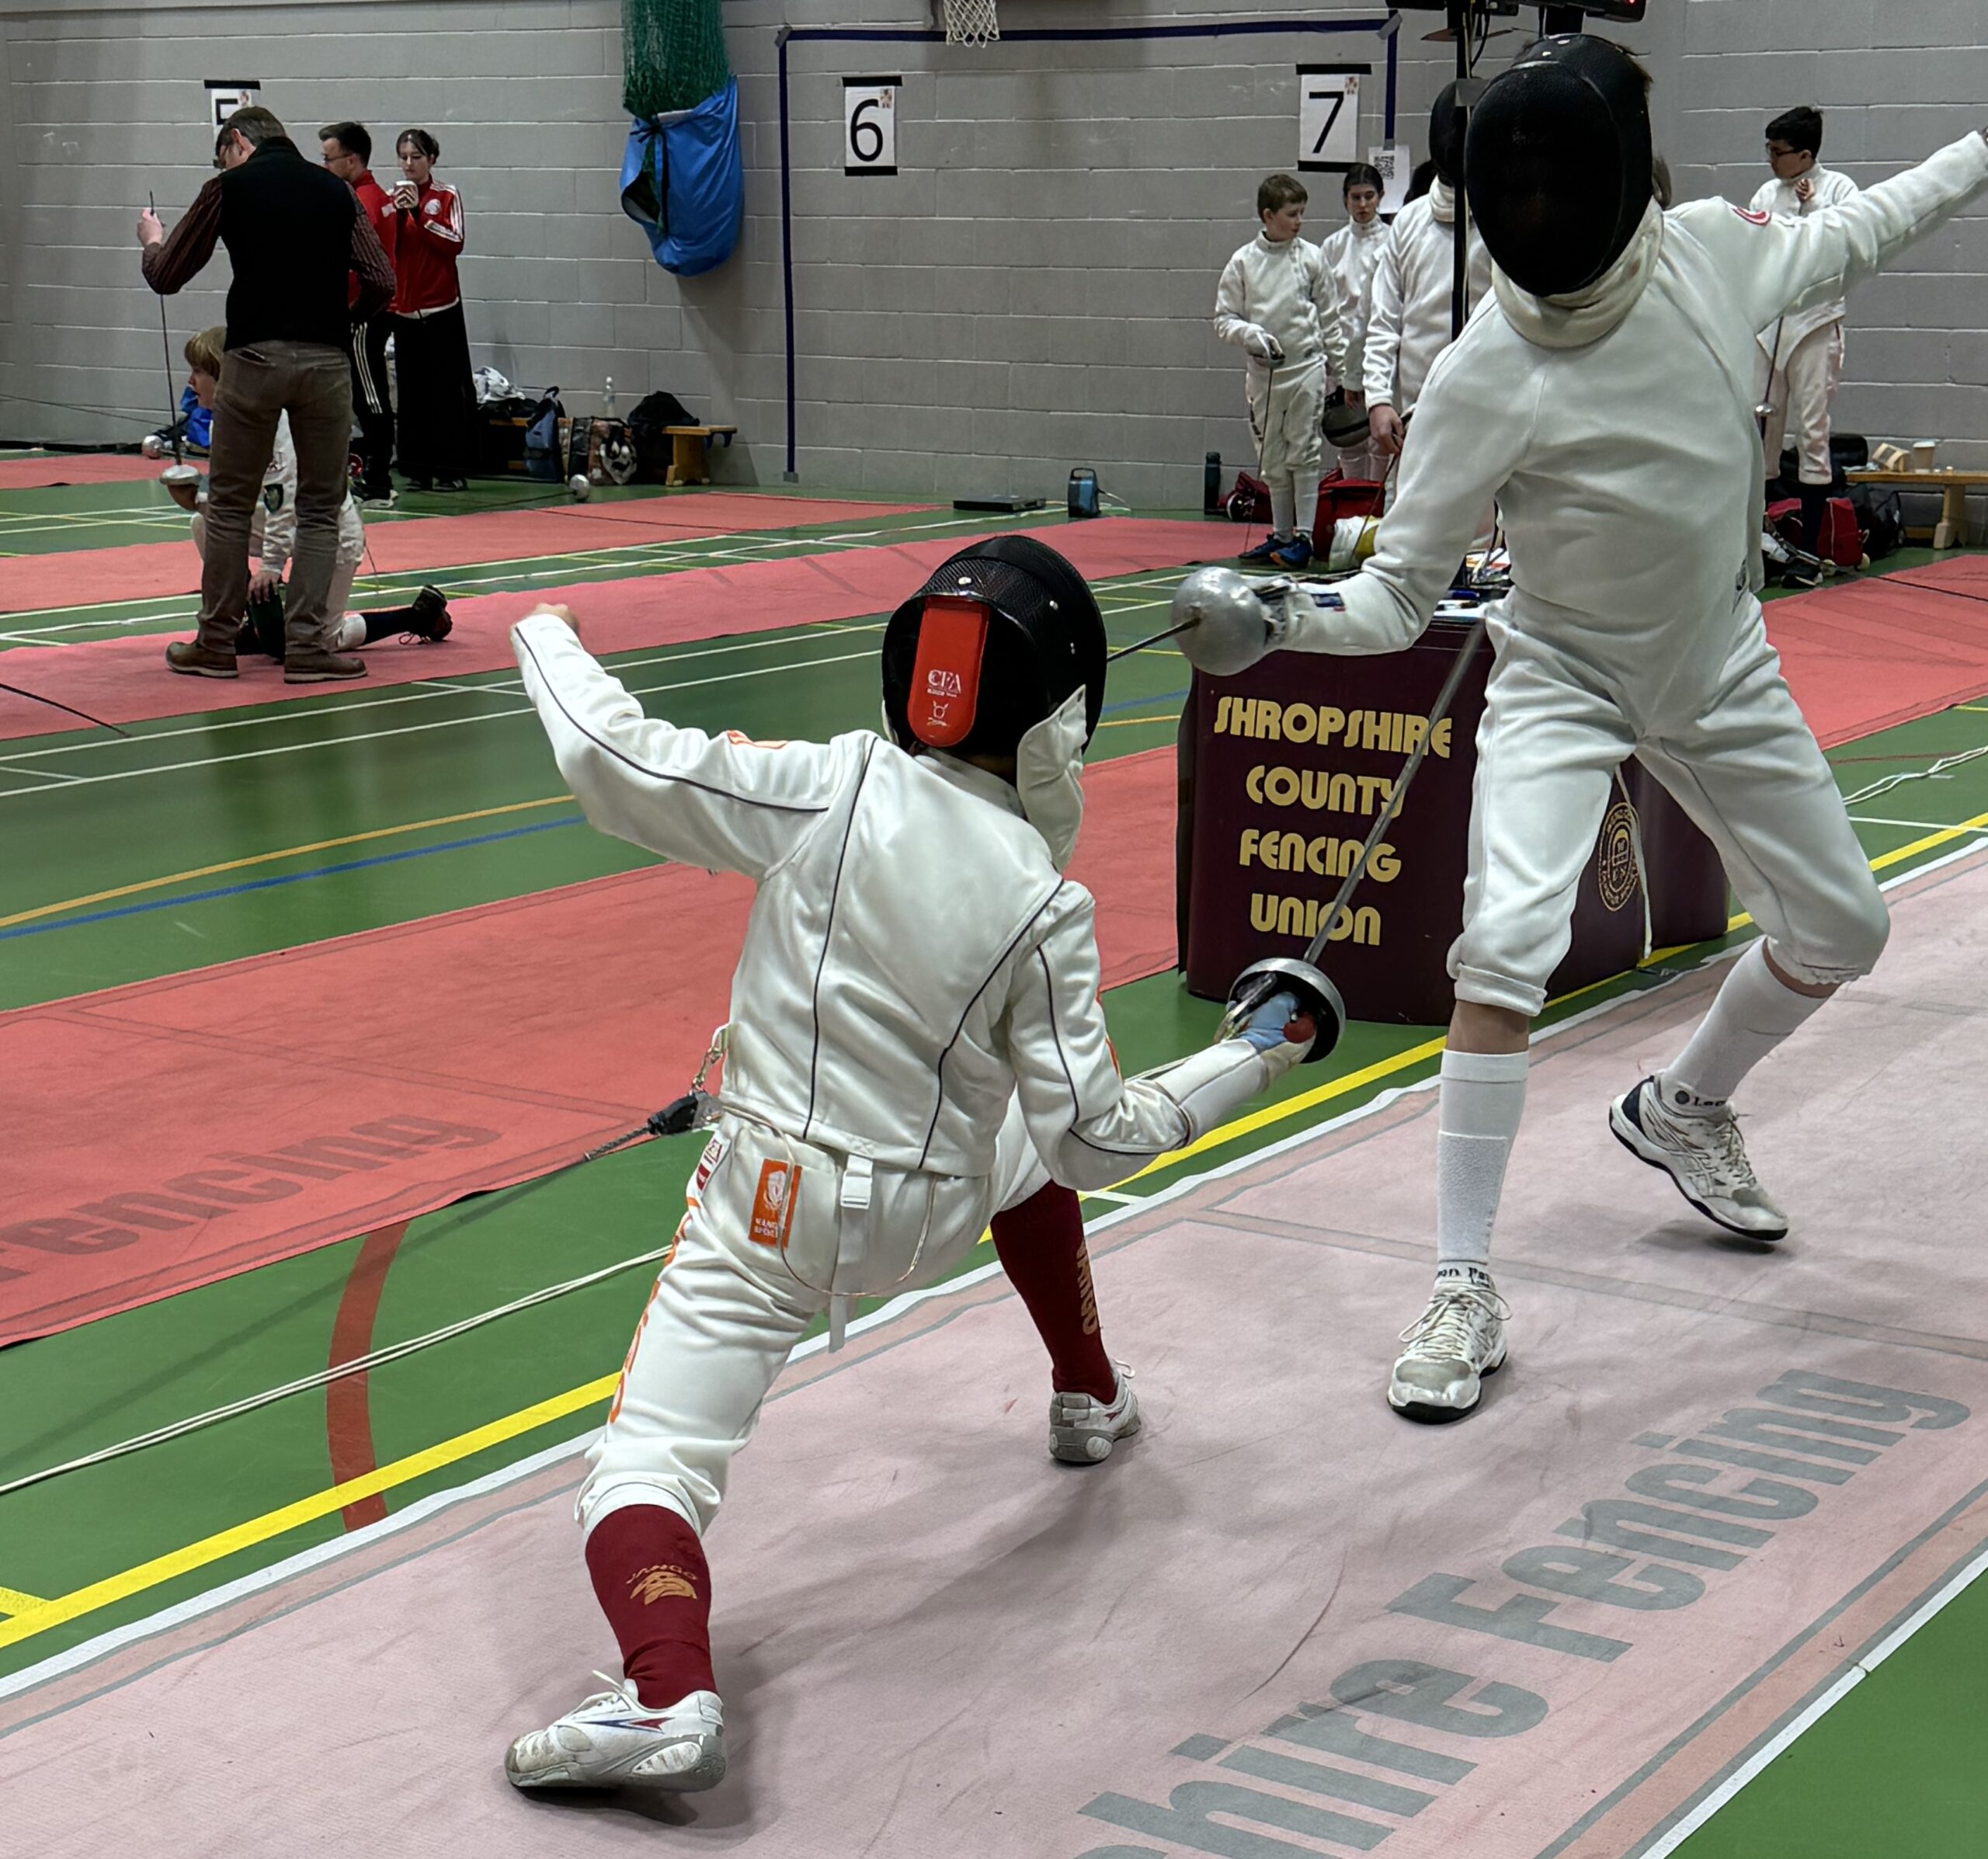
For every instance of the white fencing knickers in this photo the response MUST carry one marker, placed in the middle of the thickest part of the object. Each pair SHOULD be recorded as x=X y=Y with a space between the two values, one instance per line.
x=1801 y=392
x=1288 y=415
x=1743 y=766
x=773 y=1225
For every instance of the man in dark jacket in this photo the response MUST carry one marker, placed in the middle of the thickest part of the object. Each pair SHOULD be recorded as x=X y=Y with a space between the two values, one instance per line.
x=295 y=235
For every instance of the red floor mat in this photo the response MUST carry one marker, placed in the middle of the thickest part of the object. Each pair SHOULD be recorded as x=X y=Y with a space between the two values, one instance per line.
x=125 y=680
x=419 y=545
x=394 y=1071
x=80 y=467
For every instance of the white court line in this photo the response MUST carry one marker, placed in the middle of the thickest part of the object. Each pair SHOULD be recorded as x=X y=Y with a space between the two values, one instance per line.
x=1871 y=819
x=293 y=712
x=412 y=729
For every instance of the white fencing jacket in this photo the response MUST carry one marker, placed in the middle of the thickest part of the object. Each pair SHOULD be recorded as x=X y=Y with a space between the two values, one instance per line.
x=1283 y=288
x=1350 y=255
x=913 y=957
x=1778 y=197
x=1409 y=318
x=1628 y=471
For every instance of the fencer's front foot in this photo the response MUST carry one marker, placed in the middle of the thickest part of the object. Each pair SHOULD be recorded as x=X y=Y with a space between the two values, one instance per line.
x=1459 y=1339
x=613 y=1741
x=1083 y=1429
x=1702 y=1151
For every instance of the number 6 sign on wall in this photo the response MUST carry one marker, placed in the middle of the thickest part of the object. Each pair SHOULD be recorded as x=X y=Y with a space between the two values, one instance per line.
x=869 y=125
x=1329 y=115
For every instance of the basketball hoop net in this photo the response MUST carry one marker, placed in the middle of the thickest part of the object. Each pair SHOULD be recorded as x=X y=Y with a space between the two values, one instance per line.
x=971 y=21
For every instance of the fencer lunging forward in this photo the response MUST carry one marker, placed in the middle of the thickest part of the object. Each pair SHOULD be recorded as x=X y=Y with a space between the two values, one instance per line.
x=1606 y=398
x=916 y=1045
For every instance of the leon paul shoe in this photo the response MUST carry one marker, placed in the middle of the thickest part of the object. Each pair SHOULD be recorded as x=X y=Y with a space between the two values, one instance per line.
x=1699 y=1147
x=1459 y=1339
x=613 y=1740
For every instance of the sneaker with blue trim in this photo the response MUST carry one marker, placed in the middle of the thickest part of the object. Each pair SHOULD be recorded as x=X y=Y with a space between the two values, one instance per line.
x=1296 y=553
x=613 y=1740
x=1698 y=1144
x=1268 y=551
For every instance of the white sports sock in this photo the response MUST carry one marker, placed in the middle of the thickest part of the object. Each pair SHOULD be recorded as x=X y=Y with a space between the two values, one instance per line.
x=1483 y=1098
x=1751 y=1014
x=1305 y=495
x=1283 y=503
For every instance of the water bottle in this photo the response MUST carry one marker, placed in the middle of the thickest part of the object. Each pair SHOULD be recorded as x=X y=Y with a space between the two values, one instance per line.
x=1083 y=494
x=1211 y=485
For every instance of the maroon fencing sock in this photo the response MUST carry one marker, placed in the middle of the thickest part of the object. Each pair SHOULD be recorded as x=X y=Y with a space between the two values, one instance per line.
x=1041 y=1245
x=652 y=1583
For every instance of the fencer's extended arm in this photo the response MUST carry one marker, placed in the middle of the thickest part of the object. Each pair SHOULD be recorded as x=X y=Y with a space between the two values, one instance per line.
x=1462 y=448
x=1091 y=1126
x=1787 y=264
x=1381 y=354
x=718 y=801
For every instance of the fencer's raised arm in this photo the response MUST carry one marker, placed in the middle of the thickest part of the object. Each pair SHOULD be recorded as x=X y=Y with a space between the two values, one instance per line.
x=1782 y=264
x=719 y=801
x=1091 y=1126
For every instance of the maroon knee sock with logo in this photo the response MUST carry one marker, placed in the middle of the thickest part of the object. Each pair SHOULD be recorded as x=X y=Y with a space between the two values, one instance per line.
x=652 y=1583
x=1041 y=1245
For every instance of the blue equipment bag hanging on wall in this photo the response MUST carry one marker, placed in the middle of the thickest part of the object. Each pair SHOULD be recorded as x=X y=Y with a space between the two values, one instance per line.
x=683 y=183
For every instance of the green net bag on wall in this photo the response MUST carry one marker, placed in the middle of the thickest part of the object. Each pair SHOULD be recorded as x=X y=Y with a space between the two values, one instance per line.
x=673 y=55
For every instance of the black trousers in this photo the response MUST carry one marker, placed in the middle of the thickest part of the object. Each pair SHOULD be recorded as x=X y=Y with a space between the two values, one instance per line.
x=373 y=404
x=438 y=395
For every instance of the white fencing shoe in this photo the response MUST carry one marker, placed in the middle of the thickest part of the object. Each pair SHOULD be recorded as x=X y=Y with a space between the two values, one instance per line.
x=1704 y=1154
x=1082 y=1429
x=1456 y=1341
x=614 y=1741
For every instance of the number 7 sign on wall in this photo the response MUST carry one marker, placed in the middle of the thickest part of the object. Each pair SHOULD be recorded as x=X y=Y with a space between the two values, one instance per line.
x=869 y=125
x=1329 y=115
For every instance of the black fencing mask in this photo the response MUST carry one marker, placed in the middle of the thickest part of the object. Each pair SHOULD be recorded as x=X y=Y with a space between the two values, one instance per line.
x=1560 y=163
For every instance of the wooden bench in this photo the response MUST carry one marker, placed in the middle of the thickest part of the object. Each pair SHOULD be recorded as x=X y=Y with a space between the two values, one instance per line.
x=688 y=446
x=1953 y=487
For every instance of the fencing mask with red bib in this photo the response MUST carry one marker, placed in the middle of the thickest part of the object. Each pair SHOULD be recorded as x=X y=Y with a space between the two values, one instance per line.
x=1559 y=165
x=1001 y=653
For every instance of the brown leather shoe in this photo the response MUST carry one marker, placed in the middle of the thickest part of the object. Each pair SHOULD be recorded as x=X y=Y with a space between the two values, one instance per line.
x=196 y=660
x=320 y=667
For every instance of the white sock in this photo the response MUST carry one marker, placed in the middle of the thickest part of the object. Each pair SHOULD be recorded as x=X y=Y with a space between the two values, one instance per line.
x=1751 y=1014
x=1304 y=491
x=1483 y=1098
x=1283 y=504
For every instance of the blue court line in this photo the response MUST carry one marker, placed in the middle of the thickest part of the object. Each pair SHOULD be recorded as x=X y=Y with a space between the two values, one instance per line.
x=294 y=878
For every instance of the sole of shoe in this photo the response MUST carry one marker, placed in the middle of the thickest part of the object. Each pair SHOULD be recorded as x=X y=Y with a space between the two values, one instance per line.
x=202 y=671
x=321 y=677
x=1625 y=1131
x=707 y=1772
x=1425 y=1414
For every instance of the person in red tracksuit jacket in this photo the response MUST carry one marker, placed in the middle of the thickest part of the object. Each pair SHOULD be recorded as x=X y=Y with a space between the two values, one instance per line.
x=431 y=340
x=346 y=149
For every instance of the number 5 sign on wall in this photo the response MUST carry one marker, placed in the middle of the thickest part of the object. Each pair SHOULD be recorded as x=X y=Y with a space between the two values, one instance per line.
x=869 y=125
x=1329 y=115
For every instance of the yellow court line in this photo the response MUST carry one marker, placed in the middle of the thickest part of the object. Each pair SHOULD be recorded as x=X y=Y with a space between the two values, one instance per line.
x=1128 y=722
x=305 y=1510
x=273 y=1523
x=264 y=858
x=13 y=1601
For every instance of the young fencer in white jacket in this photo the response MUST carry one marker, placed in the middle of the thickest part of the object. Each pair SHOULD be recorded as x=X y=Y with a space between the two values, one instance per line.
x=916 y=1046
x=1605 y=397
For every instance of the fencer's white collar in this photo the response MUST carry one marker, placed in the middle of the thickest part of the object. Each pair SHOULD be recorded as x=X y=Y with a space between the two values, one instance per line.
x=1582 y=317
x=1049 y=774
x=1443 y=203
x=978 y=782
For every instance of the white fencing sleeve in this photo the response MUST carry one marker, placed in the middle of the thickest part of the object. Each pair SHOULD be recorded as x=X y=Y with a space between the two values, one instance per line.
x=1091 y=1126
x=719 y=801
x=1785 y=264
x=1467 y=438
x=1331 y=330
x=1231 y=325
x=1383 y=349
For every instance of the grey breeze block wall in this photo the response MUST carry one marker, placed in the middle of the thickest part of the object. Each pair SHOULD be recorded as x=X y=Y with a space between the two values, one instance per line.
x=1032 y=290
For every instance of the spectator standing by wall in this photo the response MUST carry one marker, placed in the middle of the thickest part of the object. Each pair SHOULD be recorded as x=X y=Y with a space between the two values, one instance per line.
x=295 y=236
x=431 y=340
x=347 y=149
x=1350 y=255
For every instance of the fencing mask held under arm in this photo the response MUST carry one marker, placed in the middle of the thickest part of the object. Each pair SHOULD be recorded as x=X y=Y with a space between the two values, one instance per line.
x=1560 y=163
x=1446 y=135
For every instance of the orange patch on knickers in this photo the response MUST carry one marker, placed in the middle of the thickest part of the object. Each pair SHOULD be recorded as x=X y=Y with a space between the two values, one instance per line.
x=772 y=1206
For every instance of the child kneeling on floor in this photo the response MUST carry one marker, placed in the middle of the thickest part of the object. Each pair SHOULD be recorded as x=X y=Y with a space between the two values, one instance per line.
x=272 y=535
x=916 y=1047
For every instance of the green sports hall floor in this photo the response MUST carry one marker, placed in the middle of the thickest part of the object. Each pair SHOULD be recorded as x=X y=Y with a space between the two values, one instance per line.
x=373 y=807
